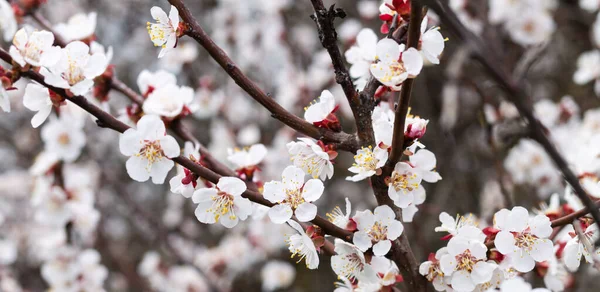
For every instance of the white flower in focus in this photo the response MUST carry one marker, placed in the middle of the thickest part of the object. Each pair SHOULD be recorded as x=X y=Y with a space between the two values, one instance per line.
x=148 y=82
x=34 y=48
x=377 y=230
x=424 y=162
x=367 y=162
x=383 y=124
x=169 y=101
x=80 y=26
x=311 y=158
x=64 y=137
x=395 y=64
x=223 y=203
x=149 y=149
x=452 y=226
x=523 y=239
x=338 y=218
x=518 y=284
x=415 y=127
x=405 y=185
x=431 y=270
x=293 y=196
x=321 y=113
x=246 y=160
x=302 y=245
x=8 y=23
x=579 y=246
x=349 y=262
x=76 y=69
x=37 y=98
x=277 y=275
x=588 y=69
x=361 y=55
x=465 y=264
x=163 y=33
x=432 y=42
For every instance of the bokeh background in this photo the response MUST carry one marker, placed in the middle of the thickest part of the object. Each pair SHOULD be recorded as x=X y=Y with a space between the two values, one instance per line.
x=276 y=43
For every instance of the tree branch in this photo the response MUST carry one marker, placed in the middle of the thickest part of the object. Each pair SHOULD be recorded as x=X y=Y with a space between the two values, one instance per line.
x=345 y=141
x=515 y=93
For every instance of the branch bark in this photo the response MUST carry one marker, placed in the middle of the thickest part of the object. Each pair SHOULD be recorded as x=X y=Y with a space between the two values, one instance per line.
x=343 y=140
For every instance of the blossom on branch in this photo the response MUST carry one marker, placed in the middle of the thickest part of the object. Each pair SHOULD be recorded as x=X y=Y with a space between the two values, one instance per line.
x=38 y=98
x=377 y=230
x=76 y=69
x=313 y=158
x=322 y=113
x=361 y=55
x=432 y=42
x=149 y=149
x=368 y=162
x=34 y=48
x=223 y=203
x=405 y=185
x=247 y=160
x=301 y=244
x=169 y=101
x=395 y=63
x=293 y=196
x=349 y=262
x=164 y=32
x=523 y=239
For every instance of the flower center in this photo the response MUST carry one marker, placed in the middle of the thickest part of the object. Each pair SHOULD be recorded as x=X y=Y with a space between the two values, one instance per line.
x=64 y=139
x=222 y=205
x=310 y=162
x=294 y=198
x=74 y=72
x=352 y=266
x=465 y=261
x=525 y=241
x=404 y=182
x=151 y=151
x=396 y=69
x=366 y=159
x=434 y=271
x=32 y=51
x=378 y=232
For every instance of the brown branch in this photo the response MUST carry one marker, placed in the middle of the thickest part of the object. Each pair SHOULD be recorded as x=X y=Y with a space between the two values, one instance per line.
x=515 y=93
x=345 y=141
x=106 y=120
x=414 y=35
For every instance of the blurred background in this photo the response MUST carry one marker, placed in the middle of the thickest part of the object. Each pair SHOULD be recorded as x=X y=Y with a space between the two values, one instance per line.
x=471 y=131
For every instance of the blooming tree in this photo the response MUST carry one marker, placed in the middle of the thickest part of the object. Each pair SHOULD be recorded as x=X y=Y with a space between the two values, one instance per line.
x=270 y=185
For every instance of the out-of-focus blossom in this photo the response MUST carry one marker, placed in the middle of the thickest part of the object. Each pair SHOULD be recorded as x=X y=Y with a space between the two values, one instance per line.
x=377 y=230
x=147 y=81
x=223 y=203
x=277 y=275
x=367 y=162
x=163 y=33
x=588 y=69
x=149 y=149
x=76 y=69
x=64 y=137
x=169 y=101
x=79 y=27
x=8 y=23
x=184 y=53
x=34 y=48
x=293 y=196
x=361 y=55
x=246 y=160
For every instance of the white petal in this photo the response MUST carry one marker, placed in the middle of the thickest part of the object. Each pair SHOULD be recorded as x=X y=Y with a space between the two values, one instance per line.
x=505 y=242
x=395 y=229
x=306 y=212
x=82 y=87
x=518 y=219
x=160 y=169
x=382 y=248
x=202 y=213
x=543 y=249
x=137 y=168
x=482 y=272
x=280 y=213
x=231 y=185
x=312 y=190
x=130 y=142
x=461 y=281
x=413 y=62
x=540 y=226
x=388 y=50
x=361 y=240
x=151 y=127
x=522 y=262
x=274 y=191
x=293 y=177
x=204 y=195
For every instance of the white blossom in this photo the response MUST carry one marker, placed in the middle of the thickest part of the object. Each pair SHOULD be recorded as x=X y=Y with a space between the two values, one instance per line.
x=293 y=196
x=149 y=150
x=34 y=48
x=311 y=158
x=277 y=275
x=338 y=218
x=302 y=245
x=367 y=162
x=37 y=98
x=147 y=81
x=76 y=69
x=395 y=64
x=163 y=33
x=405 y=185
x=223 y=203
x=79 y=27
x=431 y=270
x=361 y=55
x=320 y=110
x=524 y=239
x=432 y=42
x=247 y=158
x=377 y=230
x=349 y=262
x=169 y=101
x=579 y=246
